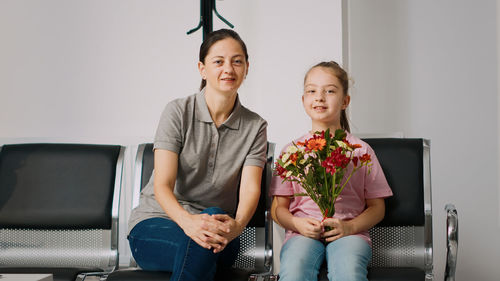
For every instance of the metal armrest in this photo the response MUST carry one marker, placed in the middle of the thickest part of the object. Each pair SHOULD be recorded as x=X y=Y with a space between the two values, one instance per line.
x=268 y=255
x=451 y=242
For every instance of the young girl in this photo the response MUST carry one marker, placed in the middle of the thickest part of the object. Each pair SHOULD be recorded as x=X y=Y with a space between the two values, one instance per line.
x=347 y=246
x=192 y=210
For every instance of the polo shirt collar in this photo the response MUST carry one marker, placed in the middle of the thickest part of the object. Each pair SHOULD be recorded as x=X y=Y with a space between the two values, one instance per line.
x=203 y=115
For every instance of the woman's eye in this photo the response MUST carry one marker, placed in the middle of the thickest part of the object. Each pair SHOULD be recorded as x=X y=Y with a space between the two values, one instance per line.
x=218 y=62
x=238 y=61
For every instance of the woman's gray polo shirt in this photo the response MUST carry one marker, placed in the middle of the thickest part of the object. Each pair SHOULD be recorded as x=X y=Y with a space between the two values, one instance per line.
x=210 y=158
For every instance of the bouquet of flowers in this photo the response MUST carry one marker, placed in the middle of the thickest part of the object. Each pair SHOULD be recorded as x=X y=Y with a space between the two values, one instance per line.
x=319 y=164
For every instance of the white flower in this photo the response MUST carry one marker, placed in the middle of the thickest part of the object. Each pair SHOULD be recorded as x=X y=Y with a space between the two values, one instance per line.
x=342 y=144
x=306 y=169
x=285 y=157
x=292 y=149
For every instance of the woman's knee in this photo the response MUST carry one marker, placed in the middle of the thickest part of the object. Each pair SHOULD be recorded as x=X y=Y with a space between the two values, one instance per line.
x=213 y=211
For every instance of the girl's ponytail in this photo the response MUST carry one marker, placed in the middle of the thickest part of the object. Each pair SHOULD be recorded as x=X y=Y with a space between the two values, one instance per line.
x=344 y=122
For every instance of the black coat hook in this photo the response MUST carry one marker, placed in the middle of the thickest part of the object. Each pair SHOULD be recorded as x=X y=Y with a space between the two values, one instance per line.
x=206 y=17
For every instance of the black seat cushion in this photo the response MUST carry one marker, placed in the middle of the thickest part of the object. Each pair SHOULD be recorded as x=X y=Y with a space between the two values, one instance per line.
x=386 y=274
x=402 y=162
x=59 y=274
x=136 y=275
x=399 y=274
x=57 y=186
x=140 y=275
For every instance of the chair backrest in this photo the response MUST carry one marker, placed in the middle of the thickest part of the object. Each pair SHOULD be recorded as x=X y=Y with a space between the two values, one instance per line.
x=256 y=241
x=59 y=205
x=404 y=237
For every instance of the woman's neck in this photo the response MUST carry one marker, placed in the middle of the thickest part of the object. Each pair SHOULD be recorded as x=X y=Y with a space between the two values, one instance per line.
x=220 y=105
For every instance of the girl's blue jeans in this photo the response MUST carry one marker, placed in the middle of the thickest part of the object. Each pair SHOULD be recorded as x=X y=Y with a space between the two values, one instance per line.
x=347 y=259
x=159 y=244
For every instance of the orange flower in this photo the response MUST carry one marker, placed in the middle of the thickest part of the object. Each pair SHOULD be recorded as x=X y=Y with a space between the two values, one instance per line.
x=293 y=158
x=316 y=144
x=356 y=145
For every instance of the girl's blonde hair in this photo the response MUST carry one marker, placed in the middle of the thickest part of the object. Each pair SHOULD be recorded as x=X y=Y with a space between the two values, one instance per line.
x=341 y=74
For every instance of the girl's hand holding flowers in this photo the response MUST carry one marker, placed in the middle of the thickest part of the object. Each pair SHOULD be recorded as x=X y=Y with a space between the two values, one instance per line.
x=308 y=227
x=320 y=165
x=337 y=229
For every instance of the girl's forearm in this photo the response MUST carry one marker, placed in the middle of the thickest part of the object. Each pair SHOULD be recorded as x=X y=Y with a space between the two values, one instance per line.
x=285 y=219
x=372 y=215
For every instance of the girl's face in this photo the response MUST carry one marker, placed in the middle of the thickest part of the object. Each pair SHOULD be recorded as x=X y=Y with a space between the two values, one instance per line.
x=224 y=67
x=324 y=98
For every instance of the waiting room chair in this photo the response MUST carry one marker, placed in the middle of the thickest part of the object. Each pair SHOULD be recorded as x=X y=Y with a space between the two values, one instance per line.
x=255 y=255
x=59 y=208
x=402 y=241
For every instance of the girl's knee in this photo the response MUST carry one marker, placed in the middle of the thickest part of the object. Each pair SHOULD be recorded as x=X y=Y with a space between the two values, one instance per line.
x=300 y=259
x=297 y=271
x=348 y=259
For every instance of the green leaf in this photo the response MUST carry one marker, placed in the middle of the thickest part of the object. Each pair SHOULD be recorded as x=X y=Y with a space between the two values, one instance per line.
x=340 y=134
x=300 y=194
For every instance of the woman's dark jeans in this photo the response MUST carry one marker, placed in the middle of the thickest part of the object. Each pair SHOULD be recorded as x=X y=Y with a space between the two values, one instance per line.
x=159 y=244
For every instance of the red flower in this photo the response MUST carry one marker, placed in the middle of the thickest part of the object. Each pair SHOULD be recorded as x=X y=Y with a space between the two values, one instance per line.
x=355 y=161
x=329 y=165
x=339 y=158
x=323 y=134
x=365 y=158
x=280 y=171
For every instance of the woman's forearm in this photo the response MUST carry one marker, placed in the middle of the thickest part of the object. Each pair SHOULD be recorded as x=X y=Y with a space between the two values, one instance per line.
x=249 y=194
x=164 y=195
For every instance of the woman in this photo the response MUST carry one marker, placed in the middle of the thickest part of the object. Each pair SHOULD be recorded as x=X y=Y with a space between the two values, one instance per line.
x=206 y=144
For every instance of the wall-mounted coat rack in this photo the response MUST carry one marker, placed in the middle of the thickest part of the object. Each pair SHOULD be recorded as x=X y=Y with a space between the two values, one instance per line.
x=206 y=17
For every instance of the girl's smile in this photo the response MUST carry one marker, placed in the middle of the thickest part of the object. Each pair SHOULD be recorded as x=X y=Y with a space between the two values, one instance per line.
x=324 y=98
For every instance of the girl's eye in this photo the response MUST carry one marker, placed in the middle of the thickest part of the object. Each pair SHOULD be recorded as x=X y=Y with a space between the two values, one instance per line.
x=330 y=91
x=310 y=91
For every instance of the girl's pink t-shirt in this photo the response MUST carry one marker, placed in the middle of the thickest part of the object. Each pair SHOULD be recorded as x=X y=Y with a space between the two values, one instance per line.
x=351 y=201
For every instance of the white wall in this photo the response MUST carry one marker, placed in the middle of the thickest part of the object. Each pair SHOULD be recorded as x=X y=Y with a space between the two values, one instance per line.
x=102 y=71
x=498 y=98
x=430 y=69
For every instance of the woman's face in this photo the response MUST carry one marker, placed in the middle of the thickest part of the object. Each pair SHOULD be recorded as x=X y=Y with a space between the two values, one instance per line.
x=224 y=67
x=324 y=97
